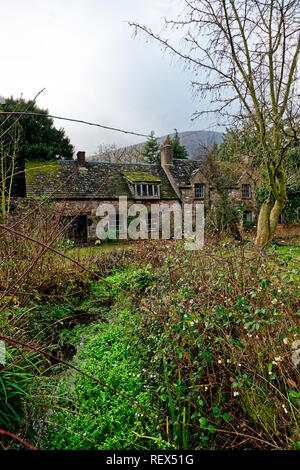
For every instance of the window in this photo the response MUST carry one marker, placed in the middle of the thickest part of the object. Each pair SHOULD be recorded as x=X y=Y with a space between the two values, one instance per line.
x=153 y=222
x=248 y=216
x=147 y=190
x=116 y=222
x=246 y=191
x=199 y=190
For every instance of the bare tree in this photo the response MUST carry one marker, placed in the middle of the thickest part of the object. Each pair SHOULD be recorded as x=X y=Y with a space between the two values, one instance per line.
x=112 y=153
x=8 y=165
x=249 y=51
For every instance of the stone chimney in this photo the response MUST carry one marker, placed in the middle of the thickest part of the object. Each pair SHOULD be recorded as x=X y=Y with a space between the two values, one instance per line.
x=81 y=158
x=167 y=154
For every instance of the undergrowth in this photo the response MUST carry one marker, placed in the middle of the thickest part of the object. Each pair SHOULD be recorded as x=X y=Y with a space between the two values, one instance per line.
x=228 y=381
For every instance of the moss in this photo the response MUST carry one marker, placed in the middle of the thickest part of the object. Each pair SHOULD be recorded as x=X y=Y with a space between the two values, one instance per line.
x=47 y=177
x=36 y=169
x=143 y=176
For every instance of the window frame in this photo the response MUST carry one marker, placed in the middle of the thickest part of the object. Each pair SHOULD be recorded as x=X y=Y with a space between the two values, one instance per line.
x=246 y=191
x=201 y=188
x=248 y=213
x=115 y=222
x=141 y=194
x=153 y=222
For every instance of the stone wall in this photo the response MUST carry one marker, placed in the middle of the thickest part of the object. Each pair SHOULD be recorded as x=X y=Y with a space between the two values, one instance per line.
x=285 y=230
x=22 y=206
x=89 y=209
x=237 y=198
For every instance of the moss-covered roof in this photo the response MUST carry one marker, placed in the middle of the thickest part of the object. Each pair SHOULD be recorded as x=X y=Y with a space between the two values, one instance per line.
x=99 y=180
x=140 y=176
x=103 y=180
x=35 y=168
x=37 y=172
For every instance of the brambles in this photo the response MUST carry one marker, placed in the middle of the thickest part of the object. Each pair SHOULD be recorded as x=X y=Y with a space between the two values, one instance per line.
x=235 y=316
x=236 y=320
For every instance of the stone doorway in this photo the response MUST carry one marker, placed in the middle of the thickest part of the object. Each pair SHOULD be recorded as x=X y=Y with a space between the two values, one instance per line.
x=77 y=231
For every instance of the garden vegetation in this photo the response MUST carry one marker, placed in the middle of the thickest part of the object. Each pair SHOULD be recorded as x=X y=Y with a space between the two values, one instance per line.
x=148 y=345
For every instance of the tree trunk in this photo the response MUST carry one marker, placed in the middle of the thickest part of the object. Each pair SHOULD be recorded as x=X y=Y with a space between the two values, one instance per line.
x=272 y=207
x=267 y=221
x=263 y=225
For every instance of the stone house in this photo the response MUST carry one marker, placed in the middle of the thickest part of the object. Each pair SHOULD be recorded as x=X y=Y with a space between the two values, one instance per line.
x=79 y=186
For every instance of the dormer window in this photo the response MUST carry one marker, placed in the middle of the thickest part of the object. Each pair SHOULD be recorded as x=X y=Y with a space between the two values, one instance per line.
x=142 y=184
x=246 y=191
x=146 y=190
x=199 y=190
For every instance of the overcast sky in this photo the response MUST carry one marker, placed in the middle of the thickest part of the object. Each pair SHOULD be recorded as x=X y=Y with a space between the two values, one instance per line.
x=83 y=53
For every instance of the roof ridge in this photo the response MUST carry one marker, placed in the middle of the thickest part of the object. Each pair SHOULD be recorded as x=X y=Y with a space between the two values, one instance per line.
x=112 y=163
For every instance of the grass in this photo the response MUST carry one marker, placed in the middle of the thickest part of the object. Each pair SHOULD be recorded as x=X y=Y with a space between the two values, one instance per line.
x=87 y=251
x=293 y=250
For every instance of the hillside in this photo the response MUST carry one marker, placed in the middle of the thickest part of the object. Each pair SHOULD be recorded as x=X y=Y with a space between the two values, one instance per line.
x=196 y=142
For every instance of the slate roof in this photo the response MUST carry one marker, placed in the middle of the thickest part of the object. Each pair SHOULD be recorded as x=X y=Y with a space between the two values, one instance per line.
x=183 y=170
x=56 y=178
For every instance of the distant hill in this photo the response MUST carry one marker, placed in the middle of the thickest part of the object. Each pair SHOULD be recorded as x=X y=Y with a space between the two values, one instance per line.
x=196 y=142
